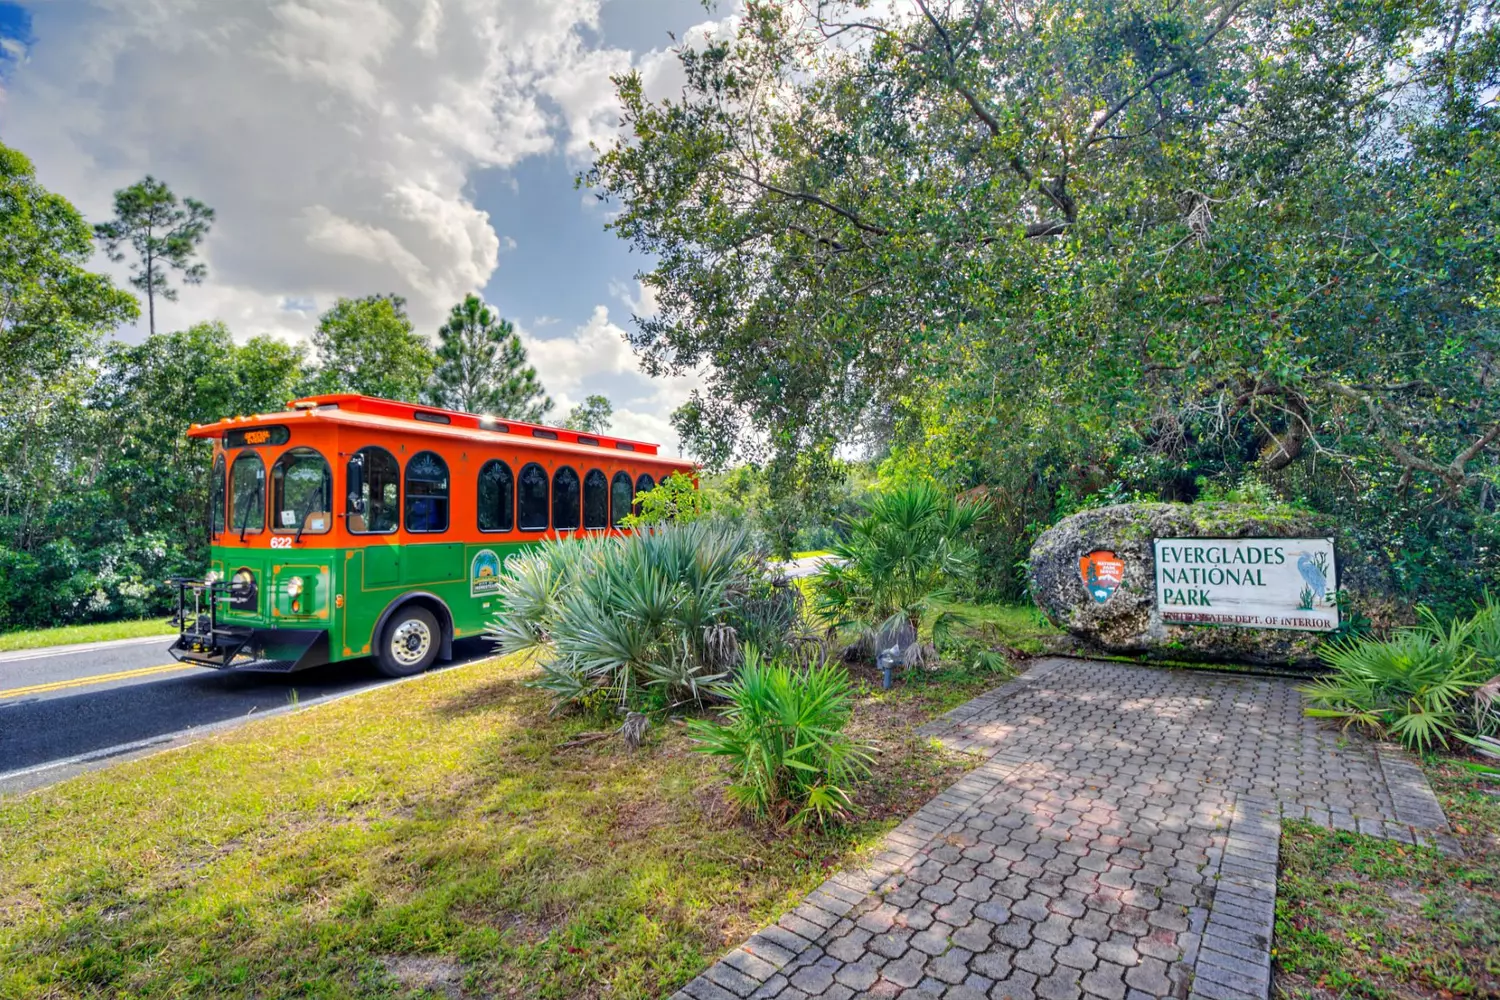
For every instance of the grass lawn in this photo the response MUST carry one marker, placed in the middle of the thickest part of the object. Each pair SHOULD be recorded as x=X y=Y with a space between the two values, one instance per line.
x=69 y=634
x=812 y=552
x=430 y=838
x=1361 y=917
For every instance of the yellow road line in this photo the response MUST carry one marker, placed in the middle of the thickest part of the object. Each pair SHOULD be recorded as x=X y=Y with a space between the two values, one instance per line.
x=94 y=679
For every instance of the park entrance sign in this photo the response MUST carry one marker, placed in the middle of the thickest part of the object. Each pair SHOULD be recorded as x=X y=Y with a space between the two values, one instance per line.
x=1210 y=581
x=1278 y=583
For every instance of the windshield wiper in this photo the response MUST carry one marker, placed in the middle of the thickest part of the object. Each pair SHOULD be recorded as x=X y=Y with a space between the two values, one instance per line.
x=301 y=528
x=245 y=518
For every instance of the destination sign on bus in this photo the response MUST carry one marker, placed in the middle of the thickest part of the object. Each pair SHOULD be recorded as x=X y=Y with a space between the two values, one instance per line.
x=257 y=437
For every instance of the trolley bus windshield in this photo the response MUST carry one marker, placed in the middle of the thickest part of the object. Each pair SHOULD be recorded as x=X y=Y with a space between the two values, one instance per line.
x=247 y=488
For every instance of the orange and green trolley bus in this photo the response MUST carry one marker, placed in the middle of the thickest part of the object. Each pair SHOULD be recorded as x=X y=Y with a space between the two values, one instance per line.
x=350 y=526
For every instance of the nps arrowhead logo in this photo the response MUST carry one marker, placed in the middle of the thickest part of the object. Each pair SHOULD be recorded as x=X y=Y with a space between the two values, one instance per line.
x=1101 y=571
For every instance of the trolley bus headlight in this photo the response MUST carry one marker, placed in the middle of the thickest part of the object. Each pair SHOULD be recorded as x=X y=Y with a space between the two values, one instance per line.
x=294 y=589
x=214 y=576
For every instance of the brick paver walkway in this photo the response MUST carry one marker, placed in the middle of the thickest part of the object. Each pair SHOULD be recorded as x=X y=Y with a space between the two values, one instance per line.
x=1119 y=841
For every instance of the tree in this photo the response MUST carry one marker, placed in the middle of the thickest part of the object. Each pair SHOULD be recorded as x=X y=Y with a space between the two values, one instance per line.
x=53 y=313
x=591 y=416
x=164 y=235
x=482 y=367
x=1065 y=247
x=52 y=310
x=368 y=346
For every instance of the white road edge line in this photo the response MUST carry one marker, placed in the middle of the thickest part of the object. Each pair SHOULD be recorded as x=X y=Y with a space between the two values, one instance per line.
x=211 y=727
x=42 y=652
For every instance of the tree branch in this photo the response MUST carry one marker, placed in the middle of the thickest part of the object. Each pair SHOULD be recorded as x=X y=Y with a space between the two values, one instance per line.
x=1453 y=474
x=1160 y=75
x=812 y=199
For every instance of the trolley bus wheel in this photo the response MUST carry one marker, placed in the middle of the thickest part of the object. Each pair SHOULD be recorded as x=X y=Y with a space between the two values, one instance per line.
x=410 y=642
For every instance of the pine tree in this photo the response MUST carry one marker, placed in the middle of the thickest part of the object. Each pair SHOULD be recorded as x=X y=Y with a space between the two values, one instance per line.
x=163 y=233
x=482 y=367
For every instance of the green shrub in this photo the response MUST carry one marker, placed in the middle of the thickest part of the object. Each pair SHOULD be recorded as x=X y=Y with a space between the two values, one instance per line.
x=1485 y=636
x=783 y=733
x=1411 y=687
x=664 y=610
x=674 y=500
x=911 y=551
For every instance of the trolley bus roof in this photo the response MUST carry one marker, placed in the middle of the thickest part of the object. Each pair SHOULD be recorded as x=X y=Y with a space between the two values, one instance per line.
x=408 y=418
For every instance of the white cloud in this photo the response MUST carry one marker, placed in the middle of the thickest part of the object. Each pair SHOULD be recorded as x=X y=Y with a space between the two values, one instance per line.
x=596 y=348
x=337 y=141
x=335 y=138
x=641 y=300
x=595 y=357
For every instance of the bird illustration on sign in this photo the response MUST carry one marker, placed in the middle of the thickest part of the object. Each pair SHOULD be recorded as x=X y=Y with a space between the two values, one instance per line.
x=1101 y=571
x=1314 y=571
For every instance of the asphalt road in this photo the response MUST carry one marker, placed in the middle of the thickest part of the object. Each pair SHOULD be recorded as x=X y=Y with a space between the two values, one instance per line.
x=69 y=709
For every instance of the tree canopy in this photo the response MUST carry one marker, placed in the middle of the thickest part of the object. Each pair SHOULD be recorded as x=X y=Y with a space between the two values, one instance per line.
x=1101 y=244
x=368 y=346
x=591 y=416
x=52 y=309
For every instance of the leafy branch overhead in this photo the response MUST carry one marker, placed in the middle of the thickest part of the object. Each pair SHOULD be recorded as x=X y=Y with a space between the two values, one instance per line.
x=1264 y=230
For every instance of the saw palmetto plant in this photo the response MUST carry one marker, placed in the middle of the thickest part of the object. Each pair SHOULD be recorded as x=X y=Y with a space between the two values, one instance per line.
x=911 y=551
x=1412 y=687
x=661 y=609
x=782 y=732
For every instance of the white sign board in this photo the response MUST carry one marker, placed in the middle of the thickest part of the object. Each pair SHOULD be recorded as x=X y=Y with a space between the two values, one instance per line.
x=1249 y=582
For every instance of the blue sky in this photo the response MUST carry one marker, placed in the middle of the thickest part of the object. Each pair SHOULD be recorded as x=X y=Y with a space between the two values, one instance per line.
x=423 y=147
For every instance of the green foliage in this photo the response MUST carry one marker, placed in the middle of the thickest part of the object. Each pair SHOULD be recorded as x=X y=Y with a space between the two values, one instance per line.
x=911 y=551
x=659 y=609
x=1092 y=244
x=368 y=346
x=674 y=500
x=1484 y=636
x=164 y=234
x=52 y=310
x=803 y=511
x=783 y=734
x=1411 y=687
x=105 y=496
x=481 y=367
x=591 y=416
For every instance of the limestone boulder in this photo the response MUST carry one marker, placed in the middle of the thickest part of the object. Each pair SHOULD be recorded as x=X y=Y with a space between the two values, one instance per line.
x=1121 y=615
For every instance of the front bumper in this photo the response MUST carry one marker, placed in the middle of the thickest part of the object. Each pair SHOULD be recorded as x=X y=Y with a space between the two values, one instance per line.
x=208 y=642
x=261 y=649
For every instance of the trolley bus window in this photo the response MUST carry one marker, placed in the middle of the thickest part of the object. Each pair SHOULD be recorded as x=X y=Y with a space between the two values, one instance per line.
x=496 y=497
x=426 y=493
x=216 y=498
x=301 y=493
x=619 y=498
x=565 y=500
x=595 y=500
x=247 y=489
x=531 y=498
x=643 y=484
x=373 y=504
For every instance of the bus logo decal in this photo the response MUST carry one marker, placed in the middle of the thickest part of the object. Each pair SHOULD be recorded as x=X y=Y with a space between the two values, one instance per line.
x=484 y=574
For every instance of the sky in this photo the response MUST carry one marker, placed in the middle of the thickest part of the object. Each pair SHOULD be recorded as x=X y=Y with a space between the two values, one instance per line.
x=349 y=147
